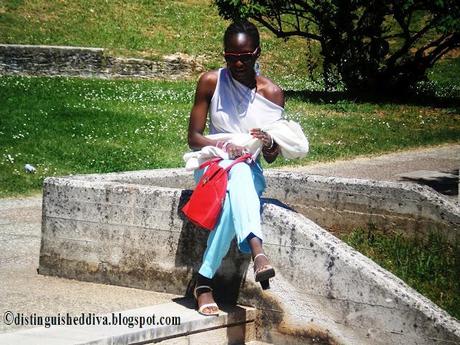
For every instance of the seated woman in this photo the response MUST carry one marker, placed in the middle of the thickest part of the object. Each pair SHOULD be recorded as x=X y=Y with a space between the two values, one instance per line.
x=238 y=100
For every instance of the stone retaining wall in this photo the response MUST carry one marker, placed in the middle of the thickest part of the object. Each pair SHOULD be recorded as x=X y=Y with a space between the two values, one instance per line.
x=344 y=204
x=124 y=229
x=340 y=204
x=89 y=62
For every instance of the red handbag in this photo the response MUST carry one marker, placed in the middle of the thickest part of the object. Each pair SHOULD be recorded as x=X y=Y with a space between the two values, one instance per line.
x=206 y=202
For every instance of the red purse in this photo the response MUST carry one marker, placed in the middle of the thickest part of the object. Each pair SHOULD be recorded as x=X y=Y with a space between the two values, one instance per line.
x=206 y=202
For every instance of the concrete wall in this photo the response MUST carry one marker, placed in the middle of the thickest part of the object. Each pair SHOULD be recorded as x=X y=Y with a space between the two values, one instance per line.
x=326 y=285
x=121 y=229
x=340 y=203
x=345 y=204
x=88 y=62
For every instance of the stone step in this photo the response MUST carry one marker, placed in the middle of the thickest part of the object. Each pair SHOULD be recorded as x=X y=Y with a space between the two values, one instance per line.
x=235 y=325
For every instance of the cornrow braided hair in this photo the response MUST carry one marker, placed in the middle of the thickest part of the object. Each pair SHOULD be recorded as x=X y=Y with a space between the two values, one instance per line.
x=244 y=27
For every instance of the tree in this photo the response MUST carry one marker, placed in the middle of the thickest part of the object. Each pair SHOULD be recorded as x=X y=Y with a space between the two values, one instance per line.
x=372 y=46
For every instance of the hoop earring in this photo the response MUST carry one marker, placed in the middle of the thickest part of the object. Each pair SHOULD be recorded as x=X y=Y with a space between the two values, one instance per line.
x=257 y=68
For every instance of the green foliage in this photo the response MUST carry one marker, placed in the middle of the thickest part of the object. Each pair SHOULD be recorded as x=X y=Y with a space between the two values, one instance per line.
x=430 y=265
x=370 y=46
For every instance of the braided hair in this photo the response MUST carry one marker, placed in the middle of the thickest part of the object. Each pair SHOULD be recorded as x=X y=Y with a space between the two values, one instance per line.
x=244 y=27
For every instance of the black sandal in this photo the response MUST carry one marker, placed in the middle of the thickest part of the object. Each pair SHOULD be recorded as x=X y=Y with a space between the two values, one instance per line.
x=264 y=273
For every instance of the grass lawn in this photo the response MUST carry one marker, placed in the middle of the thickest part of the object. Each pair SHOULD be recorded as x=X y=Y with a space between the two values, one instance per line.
x=71 y=125
x=144 y=29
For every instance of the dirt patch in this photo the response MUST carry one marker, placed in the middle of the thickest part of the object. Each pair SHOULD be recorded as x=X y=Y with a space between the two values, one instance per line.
x=453 y=54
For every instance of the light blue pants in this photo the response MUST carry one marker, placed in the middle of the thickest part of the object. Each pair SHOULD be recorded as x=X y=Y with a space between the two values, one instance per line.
x=240 y=215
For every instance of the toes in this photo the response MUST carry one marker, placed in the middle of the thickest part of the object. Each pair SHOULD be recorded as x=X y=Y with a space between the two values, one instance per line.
x=209 y=310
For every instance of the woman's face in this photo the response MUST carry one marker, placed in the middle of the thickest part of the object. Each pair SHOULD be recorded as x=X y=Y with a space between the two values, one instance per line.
x=241 y=64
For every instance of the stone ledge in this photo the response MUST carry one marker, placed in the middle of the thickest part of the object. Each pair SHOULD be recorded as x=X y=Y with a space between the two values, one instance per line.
x=40 y=60
x=101 y=228
x=239 y=319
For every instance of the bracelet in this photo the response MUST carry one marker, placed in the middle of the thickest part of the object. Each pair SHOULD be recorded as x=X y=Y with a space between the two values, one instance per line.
x=270 y=150
x=271 y=145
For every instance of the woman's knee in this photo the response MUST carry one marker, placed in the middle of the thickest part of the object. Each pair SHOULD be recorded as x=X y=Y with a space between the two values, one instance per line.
x=241 y=170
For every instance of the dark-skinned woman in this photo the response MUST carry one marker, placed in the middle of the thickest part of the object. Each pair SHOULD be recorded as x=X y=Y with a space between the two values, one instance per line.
x=239 y=102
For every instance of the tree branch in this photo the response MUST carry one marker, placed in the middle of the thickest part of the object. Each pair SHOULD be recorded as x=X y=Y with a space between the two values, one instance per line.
x=445 y=44
x=408 y=43
x=282 y=34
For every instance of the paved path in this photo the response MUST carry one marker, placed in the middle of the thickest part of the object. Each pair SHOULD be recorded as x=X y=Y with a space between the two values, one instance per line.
x=23 y=290
x=437 y=167
x=387 y=167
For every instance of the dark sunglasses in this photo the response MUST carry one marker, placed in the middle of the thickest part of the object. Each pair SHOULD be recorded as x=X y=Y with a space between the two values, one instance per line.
x=243 y=57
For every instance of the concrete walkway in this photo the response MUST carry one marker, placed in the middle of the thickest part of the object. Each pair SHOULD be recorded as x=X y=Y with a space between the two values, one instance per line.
x=387 y=167
x=22 y=290
x=437 y=167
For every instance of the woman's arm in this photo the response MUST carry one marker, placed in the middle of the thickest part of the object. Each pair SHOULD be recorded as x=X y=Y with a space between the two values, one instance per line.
x=197 y=123
x=275 y=94
x=270 y=149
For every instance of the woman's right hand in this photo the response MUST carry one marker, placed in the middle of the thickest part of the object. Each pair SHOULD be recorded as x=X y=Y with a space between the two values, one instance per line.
x=235 y=151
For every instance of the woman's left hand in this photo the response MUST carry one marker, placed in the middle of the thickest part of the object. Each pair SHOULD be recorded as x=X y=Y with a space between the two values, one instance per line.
x=263 y=136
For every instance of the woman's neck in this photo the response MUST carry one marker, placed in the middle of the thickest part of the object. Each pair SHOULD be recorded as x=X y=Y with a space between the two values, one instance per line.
x=250 y=81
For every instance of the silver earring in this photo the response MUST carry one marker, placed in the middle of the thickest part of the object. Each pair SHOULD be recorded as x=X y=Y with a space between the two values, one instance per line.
x=257 y=68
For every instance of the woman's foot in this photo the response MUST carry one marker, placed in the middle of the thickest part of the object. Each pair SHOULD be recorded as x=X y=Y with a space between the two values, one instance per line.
x=262 y=268
x=204 y=298
x=206 y=304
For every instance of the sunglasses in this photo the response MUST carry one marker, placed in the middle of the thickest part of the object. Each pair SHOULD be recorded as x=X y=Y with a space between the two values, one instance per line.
x=243 y=57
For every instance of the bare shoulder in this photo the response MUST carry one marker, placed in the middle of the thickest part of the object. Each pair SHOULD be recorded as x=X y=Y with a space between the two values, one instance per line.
x=208 y=80
x=271 y=91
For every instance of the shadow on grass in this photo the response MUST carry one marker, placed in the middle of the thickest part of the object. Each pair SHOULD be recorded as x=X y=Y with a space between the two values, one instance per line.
x=322 y=97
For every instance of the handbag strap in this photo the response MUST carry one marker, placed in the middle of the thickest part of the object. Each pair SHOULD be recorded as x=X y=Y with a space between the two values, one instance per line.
x=209 y=162
x=238 y=160
x=218 y=159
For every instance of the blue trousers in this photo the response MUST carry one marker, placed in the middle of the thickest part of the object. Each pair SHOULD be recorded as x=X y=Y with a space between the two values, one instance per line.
x=240 y=215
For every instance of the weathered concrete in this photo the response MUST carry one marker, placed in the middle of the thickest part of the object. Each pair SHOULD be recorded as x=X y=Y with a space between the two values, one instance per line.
x=41 y=60
x=394 y=166
x=103 y=228
x=345 y=204
x=443 y=182
x=326 y=285
x=24 y=291
x=334 y=202
x=234 y=325
x=387 y=167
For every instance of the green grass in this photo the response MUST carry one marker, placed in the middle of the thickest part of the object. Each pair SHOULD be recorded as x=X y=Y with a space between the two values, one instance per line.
x=431 y=266
x=64 y=126
x=71 y=125
x=345 y=129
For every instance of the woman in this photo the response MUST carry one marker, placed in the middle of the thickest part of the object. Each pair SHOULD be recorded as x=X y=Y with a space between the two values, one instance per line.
x=238 y=100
